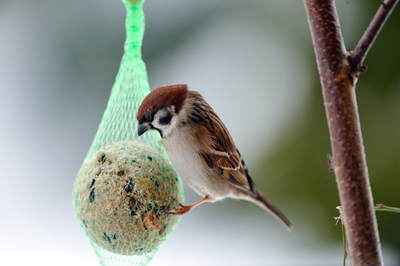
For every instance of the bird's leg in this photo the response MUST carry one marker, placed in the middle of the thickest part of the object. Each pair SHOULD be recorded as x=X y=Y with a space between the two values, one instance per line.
x=184 y=209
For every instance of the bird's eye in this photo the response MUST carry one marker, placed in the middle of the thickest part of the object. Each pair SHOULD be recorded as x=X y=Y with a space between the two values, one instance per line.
x=148 y=117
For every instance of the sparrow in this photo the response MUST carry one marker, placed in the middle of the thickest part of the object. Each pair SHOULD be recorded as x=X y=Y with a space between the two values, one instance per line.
x=200 y=148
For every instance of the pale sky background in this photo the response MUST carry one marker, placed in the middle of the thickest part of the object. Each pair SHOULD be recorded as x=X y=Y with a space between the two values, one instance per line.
x=58 y=61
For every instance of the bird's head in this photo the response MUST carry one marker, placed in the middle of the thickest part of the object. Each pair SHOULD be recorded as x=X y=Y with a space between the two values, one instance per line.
x=160 y=109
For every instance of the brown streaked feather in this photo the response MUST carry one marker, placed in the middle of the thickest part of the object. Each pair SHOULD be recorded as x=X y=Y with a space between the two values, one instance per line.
x=223 y=157
x=171 y=95
x=232 y=170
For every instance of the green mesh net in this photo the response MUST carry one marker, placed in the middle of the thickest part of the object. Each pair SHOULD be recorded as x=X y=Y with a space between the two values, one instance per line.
x=126 y=183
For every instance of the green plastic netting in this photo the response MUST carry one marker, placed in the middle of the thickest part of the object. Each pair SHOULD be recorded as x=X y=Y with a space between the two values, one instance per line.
x=126 y=183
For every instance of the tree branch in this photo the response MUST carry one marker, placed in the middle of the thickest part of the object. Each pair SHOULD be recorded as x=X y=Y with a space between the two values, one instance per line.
x=366 y=41
x=338 y=80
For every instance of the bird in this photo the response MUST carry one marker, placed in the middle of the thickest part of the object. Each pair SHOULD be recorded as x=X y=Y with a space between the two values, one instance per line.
x=200 y=148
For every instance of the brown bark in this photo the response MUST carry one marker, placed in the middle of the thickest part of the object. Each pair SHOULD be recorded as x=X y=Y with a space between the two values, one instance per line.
x=366 y=41
x=338 y=76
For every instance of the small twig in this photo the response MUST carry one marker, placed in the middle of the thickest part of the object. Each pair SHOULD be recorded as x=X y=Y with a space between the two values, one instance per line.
x=344 y=245
x=382 y=207
x=378 y=207
x=339 y=208
x=366 y=41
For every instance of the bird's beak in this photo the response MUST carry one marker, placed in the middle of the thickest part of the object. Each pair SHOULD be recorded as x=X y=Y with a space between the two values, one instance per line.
x=143 y=128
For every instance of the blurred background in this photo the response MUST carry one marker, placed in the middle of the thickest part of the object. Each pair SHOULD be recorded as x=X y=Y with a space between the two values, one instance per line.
x=253 y=61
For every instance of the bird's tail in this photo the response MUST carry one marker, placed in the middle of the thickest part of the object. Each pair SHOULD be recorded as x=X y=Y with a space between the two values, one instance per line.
x=267 y=205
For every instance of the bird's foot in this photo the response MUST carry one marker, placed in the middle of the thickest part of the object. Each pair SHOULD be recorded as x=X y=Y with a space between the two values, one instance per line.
x=184 y=209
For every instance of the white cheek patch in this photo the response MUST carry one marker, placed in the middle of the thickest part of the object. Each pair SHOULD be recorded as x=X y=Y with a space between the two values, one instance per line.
x=173 y=124
x=166 y=129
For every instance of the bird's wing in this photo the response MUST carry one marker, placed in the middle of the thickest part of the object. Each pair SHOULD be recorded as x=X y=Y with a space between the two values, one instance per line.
x=229 y=168
x=223 y=156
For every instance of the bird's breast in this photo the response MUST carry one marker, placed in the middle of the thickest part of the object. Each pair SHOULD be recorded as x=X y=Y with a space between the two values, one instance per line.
x=185 y=157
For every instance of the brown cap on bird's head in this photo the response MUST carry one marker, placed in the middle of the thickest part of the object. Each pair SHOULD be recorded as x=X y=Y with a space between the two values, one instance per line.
x=170 y=95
